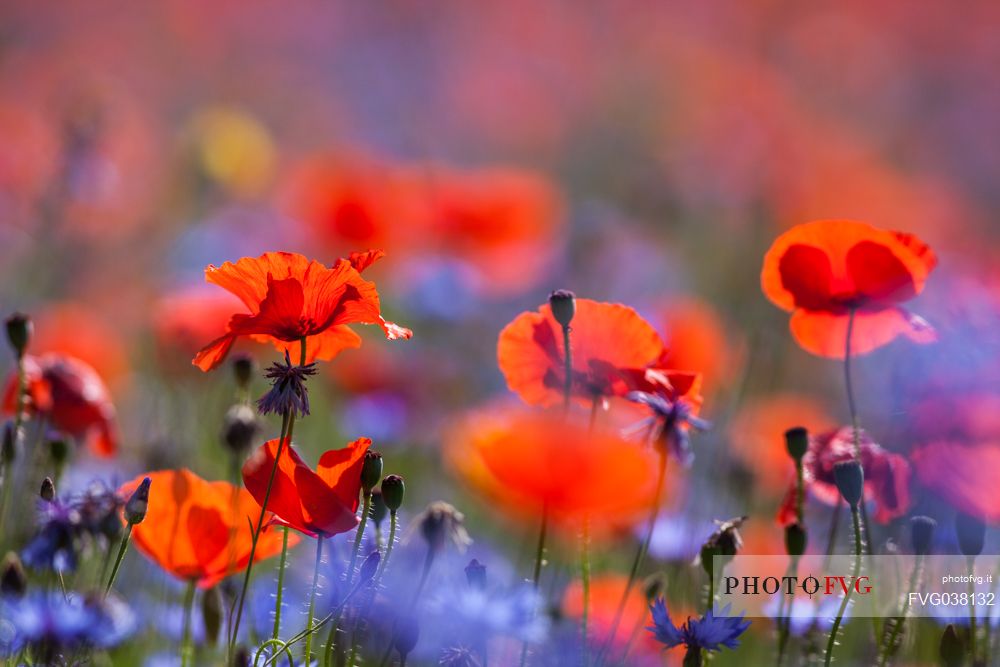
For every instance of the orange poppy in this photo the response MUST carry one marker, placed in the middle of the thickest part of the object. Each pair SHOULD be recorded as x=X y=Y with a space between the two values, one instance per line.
x=528 y=461
x=695 y=337
x=199 y=530
x=609 y=342
x=822 y=271
x=71 y=396
x=291 y=297
x=324 y=502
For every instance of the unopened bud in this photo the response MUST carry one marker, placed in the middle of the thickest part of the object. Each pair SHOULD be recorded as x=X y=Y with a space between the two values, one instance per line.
x=58 y=449
x=9 y=450
x=406 y=636
x=369 y=566
x=138 y=503
x=971 y=532
x=563 y=305
x=211 y=613
x=371 y=471
x=796 y=539
x=379 y=510
x=19 y=329
x=850 y=480
x=48 y=490
x=922 y=534
x=392 y=492
x=13 y=580
x=239 y=428
x=243 y=367
x=797 y=442
x=654 y=586
x=952 y=648
x=475 y=574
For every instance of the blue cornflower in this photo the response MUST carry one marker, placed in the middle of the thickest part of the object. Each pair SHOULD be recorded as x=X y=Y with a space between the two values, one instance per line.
x=669 y=423
x=288 y=394
x=51 y=623
x=709 y=632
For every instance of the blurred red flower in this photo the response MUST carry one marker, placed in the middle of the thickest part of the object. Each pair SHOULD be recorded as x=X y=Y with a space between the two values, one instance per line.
x=820 y=271
x=324 y=502
x=199 y=530
x=291 y=297
x=965 y=475
x=71 y=396
x=609 y=344
x=887 y=475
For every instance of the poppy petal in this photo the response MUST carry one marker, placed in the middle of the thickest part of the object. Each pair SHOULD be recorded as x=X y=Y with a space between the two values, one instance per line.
x=878 y=274
x=214 y=353
x=806 y=274
x=284 y=499
x=825 y=334
x=340 y=469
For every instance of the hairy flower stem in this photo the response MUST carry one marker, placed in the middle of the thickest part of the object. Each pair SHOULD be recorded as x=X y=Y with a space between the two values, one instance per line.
x=356 y=634
x=640 y=555
x=567 y=356
x=537 y=575
x=281 y=583
x=312 y=598
x=187 y=649
x=331 y=639
x=890 y=646
x=122 y=548
x=7 y=481
x=856 y=518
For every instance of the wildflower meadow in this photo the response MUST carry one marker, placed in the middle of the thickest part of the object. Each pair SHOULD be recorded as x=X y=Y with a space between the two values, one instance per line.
x=499 y=334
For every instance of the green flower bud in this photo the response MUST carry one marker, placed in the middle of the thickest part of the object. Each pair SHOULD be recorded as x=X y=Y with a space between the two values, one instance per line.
x=796 y=539
x=850 y=479
x=392 y=492
x=922 y=534
x=138 y=503
x=952 y=648
x=371 y=471
x=19 y=330
x=563 y=305
x=211 y=613
x=971 y=532
x=797 y=442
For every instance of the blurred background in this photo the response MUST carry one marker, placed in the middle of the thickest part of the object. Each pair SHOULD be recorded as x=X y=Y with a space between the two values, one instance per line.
x=639 y=152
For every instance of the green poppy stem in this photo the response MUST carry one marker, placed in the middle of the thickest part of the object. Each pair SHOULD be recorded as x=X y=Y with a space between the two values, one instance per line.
x=281 y=583
x=312 y=598
x=187 y=649
x=122 y=548
x=856 y=518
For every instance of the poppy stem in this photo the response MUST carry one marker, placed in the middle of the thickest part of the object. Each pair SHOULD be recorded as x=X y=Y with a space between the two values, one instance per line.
x=539 y=558
x=585 y=582
x=186 y=648
x=122 y=548
x=355 y=637
x=331 y=639
x=287 y=425
x=640 y=554
x=890 y=647
x=281 y=583
x=856 y=519
x=312 y=598
x=567 y=357
x=851 y=406
x=8 y=464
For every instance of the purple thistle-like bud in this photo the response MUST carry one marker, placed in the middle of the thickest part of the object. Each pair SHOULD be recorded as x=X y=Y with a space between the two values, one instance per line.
x=288 y=394
x=368 y=568
x=138 y=503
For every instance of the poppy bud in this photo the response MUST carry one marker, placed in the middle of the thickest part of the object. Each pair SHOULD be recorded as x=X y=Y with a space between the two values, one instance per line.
x=368 y=568
x=797 y=442
x=13 y=580
x=971 y=532
x=371 y=471
x=406 y=636
x=379 y=510
x=243 y=367
x=475 y=574
x=9 y=451
x=654 y=586
x=239 y=428
x=138 y=503
x=796 y=539
x=850 y=479
x=48 y=490
x=19 y=329
x=58 y=450
x=211 y=613
x=563 y=305
x=952 y=648
x=392 y=492
x=922 y=534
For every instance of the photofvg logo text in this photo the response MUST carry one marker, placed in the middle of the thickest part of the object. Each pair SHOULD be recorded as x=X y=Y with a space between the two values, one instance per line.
x=879 y=586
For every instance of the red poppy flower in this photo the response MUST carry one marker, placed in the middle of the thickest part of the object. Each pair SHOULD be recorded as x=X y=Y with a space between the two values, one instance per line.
x=291 y=297
x=887 y=475
x=324 y=502
x=965 y=475
x=821 y=271
x=199 y=530
x=71 y=396
x=609 y=343
x=527 y=461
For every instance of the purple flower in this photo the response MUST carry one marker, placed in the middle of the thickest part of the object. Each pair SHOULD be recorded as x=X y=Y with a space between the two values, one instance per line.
x=669 y=424
x=708 y=632
x=50 y=623
x=288 y=394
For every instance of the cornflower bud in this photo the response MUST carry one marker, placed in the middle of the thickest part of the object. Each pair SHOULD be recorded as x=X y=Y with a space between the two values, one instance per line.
x=475 y=574
x=441 y=523
x=850 y=479
x=19 y=330
x=922 y=534
x=138 y=503
x=239 y=427
x=13 y=580
x=243 y=368
x=371 y=471
x=797 y=442
x=369 y=566
x=406 y=636
x=563 y=305
x=971 y=532
x=48 y=490
x=392 y=492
